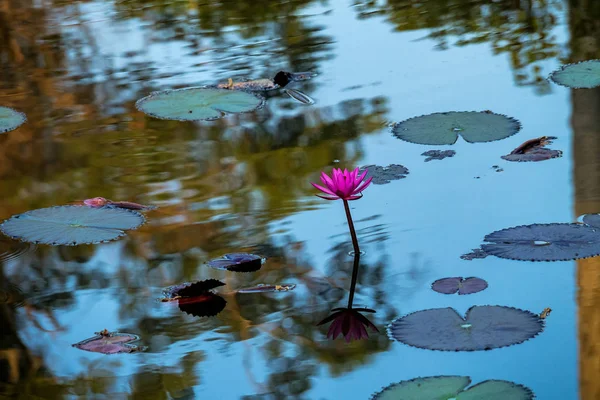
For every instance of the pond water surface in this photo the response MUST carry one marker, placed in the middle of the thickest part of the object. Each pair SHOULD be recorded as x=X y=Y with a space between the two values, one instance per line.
x=242 y=183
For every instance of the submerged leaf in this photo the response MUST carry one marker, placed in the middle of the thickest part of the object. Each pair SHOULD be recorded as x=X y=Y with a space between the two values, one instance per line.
x=444 y=128
x=10 y=119
x=453 y=387
x=438 y=154
x=198 y=103
x=483 y=328
x=581 y=75
x=544 y=242
x=299 y=96
x=71 y=225
x=476 y=253
x=383 y=175
x=461 y=285
x=284 y=287
x=238 y=262
x=110 y=343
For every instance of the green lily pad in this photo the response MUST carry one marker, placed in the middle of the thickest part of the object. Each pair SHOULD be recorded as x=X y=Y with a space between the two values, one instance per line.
x=482 y=328
x=71 y=225
x=581 y=75
x=444 y=128
x=10 y=119
x=453 y=388
x=198 y=103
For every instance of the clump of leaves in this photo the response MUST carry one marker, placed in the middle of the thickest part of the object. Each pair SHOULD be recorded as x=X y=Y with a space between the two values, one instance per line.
x=438 y=154
x=534 y=150
x=383 y=175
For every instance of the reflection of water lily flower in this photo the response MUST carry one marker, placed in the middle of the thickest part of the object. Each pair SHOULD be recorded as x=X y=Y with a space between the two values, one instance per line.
x=345 y=185
x=350 y=323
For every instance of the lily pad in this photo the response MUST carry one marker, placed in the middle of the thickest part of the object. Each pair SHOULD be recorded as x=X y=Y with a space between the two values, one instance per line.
x=383 y=175
x=10 y=119
x=191 y=289
x=198 y=103
x=238 y=262
x=284 y=287
x=453 y=387
x=71 y=225
x=110 y=343
x=438 y=154
x=483 y=328
x=206 y=305
x=444 y=128
x=544 y=242
x=533 y=150
x=461 y=285
x=581 y=75
x=592 y=220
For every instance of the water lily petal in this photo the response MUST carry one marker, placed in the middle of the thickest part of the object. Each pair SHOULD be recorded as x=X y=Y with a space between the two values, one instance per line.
x=363 y=186
x=322 y=189
x=328 y=197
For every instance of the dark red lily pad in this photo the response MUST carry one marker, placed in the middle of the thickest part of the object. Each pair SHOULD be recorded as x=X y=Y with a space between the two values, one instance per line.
x=106 y=342
x=544 y=242
x=205 y=305
x=483 y=328
x=534 y=150
x=461 y=285
x=284 y=287
x=238 y=262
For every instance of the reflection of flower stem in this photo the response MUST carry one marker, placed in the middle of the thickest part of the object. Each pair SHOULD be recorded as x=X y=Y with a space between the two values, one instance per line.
x=354 y=278
x=356 y=253
x=351 y=226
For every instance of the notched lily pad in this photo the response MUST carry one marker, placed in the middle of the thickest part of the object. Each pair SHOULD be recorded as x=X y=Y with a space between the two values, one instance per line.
x=534 y=150
x=383 y=175
x=438 y=154
x=238 y=262
x=483 y=328
x=581 y=75
x=453 y=387
x=444 y=128
x=198 y=103
x=71 y=225
x=106 y=342
x=284 y=287
x=461 y=285
x=10 y=119
x=544 y=242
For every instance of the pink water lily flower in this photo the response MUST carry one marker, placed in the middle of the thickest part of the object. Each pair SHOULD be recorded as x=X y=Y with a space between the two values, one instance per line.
x=345 y=185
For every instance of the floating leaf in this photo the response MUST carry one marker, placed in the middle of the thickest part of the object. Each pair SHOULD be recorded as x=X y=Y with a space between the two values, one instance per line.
x=483 y=328
x=460 y=285
x=581 y=75
x=299 y=96
x=383 y=175
x=238 y=262
x=258 y=85
x=453 y=387
x=438 y=154
x=206 y=305
x=198 y=103
x=476 y=253
x=71 y=225
x=534 y=150
x=444 y=128
x=592 y=220
x=110 y=343
x=284 y=287
x=544 y=242
x=10 y=119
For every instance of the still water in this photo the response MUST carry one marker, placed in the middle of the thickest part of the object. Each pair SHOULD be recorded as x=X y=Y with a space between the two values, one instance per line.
x=242 y=183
